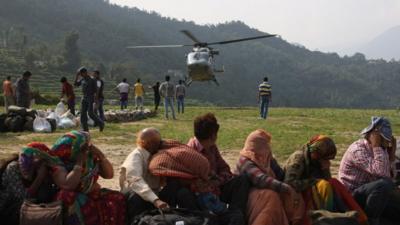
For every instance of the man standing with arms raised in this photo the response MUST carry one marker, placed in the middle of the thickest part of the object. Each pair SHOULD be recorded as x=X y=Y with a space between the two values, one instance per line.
x=89 y=98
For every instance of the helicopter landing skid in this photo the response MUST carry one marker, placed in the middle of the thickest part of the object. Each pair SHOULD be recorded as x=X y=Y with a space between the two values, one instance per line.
x=188 y=82
x=216 y=82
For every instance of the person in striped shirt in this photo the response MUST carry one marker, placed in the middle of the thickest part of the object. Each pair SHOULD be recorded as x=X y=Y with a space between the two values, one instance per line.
x=365 y=171
x=264 y=97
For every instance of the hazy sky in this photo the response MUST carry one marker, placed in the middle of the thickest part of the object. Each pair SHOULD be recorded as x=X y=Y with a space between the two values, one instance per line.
x=328 y=25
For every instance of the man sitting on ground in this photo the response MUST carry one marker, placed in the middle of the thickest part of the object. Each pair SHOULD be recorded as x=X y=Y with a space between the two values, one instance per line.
x=144 y=191
x=365 y=171
x=231 y=190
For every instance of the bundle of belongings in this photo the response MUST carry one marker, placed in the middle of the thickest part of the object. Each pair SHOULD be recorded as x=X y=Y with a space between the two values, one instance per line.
x=118 y=116
x=19 y=119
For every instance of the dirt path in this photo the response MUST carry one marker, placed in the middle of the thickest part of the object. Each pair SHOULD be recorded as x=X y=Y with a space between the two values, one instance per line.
x=117 y=154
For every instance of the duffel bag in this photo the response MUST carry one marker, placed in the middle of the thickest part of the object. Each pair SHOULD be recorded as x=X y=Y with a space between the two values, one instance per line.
x=174 y=217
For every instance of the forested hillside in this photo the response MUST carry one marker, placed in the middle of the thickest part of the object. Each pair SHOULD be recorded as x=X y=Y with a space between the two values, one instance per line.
x=57 y=36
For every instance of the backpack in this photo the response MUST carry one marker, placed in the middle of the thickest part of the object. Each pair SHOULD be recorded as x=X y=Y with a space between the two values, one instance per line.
x=174 y=217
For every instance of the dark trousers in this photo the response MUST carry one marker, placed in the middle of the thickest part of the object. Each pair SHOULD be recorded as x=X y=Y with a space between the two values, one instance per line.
x=87 y=108
x=71 y=106
x=173 y=194
x=181 y=104
x=374 y=198
x=235 y=193
x=100 y=109
x=157 y=102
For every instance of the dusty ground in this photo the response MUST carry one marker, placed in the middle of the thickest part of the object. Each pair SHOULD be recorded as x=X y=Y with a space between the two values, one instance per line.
x=117 y=154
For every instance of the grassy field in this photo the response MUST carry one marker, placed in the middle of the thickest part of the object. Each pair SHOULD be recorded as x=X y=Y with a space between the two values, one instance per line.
x=290 y=128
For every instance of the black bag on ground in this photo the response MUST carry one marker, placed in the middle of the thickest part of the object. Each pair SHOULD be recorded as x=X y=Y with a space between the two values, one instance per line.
x=17 y=110
x=174 y=217
x=17 y=124
x=53 y=124
x=3 y=127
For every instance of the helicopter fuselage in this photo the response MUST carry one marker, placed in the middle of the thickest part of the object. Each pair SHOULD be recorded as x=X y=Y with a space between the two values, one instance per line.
x=200 y=65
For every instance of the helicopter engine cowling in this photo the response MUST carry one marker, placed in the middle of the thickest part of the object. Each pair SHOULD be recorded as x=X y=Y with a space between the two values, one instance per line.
x=215 y=52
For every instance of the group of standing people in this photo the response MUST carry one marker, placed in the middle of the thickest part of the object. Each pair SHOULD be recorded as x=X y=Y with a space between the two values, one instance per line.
x=92 y=103
x=19 y=93
x=166 y=90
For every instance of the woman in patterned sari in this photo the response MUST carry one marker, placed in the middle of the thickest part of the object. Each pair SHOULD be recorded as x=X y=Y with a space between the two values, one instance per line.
x=81 y=164
x=308 y=172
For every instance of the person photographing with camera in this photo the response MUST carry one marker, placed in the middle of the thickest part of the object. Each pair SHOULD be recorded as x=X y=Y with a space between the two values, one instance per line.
x=365 y=171
x=89 y=98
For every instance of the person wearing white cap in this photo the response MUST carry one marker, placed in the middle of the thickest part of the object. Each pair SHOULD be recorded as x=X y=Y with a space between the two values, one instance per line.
x=365 y=171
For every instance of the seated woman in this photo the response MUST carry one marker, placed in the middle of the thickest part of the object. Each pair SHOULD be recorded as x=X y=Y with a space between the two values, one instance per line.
x=308 y=171
x=269 y=199
x=23 y=178
x=79 y=165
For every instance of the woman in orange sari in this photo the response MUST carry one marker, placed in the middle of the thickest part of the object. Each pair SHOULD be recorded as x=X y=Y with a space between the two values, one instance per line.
x=270 y=200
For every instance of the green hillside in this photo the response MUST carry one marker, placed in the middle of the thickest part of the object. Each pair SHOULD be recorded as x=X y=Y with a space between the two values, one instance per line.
x=300 y=77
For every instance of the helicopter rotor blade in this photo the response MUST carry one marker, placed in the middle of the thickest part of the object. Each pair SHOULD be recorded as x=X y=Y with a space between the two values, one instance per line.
x=158 y=46
x=242 y=39
x=191 y=36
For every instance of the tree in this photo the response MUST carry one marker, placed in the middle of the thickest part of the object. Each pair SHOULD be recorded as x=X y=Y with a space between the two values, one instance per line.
x=71 y=54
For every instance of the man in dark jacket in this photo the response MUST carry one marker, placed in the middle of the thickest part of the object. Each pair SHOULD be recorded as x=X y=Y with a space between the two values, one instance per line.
x=89 y=98
x=23 y=91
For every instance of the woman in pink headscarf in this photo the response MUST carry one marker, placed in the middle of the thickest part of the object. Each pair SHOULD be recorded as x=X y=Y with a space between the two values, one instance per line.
x=270 y=200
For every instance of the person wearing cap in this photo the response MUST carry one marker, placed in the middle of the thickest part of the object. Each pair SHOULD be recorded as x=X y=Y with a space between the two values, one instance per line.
x=365 y=171
x=89 y=98
x=264 y=97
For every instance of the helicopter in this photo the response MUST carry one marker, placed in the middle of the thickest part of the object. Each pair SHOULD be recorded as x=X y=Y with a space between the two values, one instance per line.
x=200 y=61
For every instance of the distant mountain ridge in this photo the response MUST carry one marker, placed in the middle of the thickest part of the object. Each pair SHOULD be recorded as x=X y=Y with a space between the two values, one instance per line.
x=300 y=77
x=386 y=45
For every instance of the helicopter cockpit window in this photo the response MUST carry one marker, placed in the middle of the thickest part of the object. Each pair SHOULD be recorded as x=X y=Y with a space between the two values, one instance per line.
x=198 y=58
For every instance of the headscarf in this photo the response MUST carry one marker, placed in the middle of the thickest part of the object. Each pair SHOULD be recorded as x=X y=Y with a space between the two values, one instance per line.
x=28 y=153
x=67 y=149
x=69 y=145
x=382 y=125
x=323 y=145
x=257 y=149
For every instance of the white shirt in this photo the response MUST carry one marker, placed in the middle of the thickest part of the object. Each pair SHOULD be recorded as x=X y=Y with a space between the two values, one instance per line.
x=135 y=176
x=123 y=87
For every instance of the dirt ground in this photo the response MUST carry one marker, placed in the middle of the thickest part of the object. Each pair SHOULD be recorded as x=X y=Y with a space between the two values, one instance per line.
x=117 y=154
